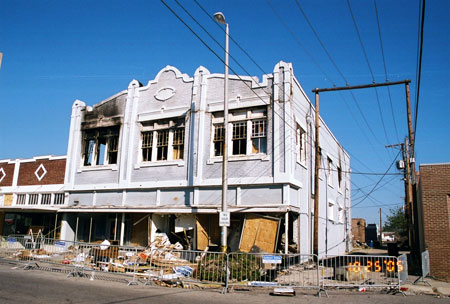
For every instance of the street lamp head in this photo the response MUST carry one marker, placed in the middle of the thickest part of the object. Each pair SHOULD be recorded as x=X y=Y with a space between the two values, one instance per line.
x=219 y=17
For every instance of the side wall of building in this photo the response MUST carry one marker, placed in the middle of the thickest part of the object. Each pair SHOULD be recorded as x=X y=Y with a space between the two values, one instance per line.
x=435 y=190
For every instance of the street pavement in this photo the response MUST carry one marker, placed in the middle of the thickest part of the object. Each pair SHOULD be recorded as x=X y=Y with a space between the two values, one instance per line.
x=37 y=286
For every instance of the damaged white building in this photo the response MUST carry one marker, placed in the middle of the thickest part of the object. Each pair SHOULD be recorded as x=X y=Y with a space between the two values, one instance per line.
x=149 y=159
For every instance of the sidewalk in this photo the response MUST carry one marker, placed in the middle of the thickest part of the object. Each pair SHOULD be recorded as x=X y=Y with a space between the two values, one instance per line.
x=435 y=287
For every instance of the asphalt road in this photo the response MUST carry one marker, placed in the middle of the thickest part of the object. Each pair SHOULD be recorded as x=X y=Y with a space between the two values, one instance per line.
x=37 y=286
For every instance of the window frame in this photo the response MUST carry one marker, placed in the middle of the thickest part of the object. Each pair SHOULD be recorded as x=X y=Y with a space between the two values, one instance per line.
x=93 y=141
x=242 y=146
x=163 y=151
x=329 y=171
x=300 y=144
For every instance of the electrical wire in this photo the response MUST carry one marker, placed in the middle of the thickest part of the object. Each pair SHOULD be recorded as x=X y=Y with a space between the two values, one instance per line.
x=370 y=68
x=419 y=70
x=385 y=69
x=373 y=189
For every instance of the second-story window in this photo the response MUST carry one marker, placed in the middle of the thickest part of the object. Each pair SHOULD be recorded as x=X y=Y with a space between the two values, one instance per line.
x=218 y=139
x=239 y=138
x=147 y=145
x=259 y=136
x=301 y=144
x=101 y=146
x=247 y=132
x=178 y=143
x=162 y=140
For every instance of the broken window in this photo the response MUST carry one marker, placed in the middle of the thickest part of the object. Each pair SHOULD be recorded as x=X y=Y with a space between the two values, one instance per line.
x=248 y=132
x=339 y=173
x=162 y=140
x=101 y=146
x=178 y=143
x=218 y=140
x=330 y=171
x=239 y=138
x=259 y=136
x=147 y=140
x=301 y=144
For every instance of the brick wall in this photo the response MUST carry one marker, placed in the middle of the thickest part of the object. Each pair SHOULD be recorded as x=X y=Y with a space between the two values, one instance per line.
x=359 y=229
x=8 y=170
x=55 y=172
x=435 y=189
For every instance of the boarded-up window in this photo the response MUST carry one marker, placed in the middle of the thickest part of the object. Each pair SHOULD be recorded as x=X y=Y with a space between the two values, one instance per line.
x=8 y=199
x=259 y=234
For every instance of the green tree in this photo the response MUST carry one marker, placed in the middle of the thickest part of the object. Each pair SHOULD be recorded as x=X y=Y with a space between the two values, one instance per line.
x=396 y=222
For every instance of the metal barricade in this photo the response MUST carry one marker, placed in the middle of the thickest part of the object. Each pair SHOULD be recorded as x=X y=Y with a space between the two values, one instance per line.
x=186 y=268
x=361 y=271
x=101 y=261
x=273 y=270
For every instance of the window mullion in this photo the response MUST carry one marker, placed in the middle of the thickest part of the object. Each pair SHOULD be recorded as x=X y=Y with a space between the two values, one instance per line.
x=249 y=137
x=170 y=145
x=154 y=146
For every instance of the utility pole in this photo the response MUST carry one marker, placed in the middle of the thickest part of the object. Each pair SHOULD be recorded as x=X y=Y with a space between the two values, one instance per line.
x=409 y=200
x=381 y=230
x=317 y=148
x=316 y=180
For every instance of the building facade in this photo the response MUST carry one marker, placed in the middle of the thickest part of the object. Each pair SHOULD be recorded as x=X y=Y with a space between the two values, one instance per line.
x=149 y=160
x=434 y=198
x=31 y=192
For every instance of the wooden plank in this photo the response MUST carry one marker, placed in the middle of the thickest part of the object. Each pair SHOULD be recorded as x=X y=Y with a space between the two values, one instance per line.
x=259 y=233
x=267 y=235
x=202 y=234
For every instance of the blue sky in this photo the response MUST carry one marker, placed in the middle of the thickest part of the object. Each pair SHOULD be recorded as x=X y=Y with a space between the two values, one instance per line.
x=55 y=52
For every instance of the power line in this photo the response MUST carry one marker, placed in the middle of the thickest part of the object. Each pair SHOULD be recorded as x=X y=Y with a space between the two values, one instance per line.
x=373 y=189
x=299 y=43
x=334 y=64
x=370 y=68
x=385 y=69
x=279 y=86
x=419 y=70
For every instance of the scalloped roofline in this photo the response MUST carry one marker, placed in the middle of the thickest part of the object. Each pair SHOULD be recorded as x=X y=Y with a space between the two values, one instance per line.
x=185 y=77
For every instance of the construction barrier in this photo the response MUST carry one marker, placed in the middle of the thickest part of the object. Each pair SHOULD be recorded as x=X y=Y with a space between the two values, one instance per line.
x=165 y=264
x=273 y=270
x=361 y=271
x=187 y=268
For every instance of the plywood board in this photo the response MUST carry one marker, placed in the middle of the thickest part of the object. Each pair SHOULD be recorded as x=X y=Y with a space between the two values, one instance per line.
x=8 y=200
x=202 y=234
x=259 y=233
x=208 y=232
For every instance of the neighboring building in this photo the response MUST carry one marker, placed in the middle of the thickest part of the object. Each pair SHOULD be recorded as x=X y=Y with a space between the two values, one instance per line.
x=434 y=198
x=31 y=192
x=359 y=229
x=149 y=159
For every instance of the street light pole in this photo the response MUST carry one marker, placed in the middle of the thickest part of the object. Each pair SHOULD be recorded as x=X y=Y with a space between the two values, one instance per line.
x=219 y=17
